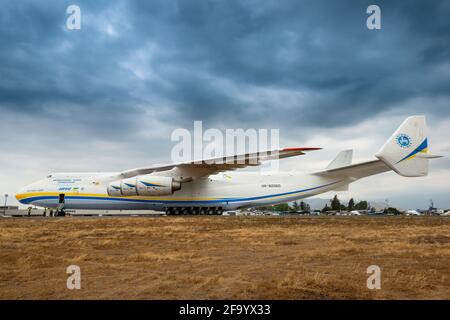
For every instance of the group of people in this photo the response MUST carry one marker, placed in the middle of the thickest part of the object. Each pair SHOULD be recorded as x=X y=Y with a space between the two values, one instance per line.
x=50 y=212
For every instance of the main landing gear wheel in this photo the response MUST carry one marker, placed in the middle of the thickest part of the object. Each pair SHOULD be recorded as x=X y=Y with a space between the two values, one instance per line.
x=194 y=211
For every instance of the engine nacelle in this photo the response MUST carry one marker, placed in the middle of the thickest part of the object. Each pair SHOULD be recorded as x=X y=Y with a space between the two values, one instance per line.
x=128 y=187
x=147 y=185
x=114 y=189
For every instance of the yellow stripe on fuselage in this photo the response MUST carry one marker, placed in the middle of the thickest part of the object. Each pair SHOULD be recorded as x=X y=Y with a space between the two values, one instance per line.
x=24 y=196
x=97 y=195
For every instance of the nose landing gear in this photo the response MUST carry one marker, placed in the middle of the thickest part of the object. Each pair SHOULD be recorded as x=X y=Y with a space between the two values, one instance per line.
x=60 y=210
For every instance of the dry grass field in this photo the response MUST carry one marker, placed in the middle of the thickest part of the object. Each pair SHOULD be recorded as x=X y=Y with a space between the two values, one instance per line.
x=225 y=257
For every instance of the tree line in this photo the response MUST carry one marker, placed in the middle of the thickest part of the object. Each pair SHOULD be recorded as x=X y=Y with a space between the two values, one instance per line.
x=334 y=205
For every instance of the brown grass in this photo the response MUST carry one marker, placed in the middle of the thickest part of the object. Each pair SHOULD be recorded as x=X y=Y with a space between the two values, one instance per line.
x=225 y=257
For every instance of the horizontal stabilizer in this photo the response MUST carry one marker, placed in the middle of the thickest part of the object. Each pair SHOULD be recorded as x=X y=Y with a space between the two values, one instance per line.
x=356 y=171
x=428 y=156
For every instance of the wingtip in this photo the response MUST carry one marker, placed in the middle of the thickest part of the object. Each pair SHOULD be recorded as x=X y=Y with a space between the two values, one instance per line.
x=300 y=149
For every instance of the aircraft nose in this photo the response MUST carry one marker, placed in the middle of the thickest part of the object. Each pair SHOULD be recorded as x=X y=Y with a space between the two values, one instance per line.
x=21 y=195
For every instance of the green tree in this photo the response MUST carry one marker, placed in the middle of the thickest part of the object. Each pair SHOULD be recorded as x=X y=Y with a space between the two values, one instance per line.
x=326 y=208
x=307 y=207
x=295 y=206
x=351 y=205
x=302 y=206
x=335 y=203
x=362 y=205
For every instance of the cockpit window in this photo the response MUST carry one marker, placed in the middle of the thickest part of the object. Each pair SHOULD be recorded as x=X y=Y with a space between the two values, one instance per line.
x=49 y=176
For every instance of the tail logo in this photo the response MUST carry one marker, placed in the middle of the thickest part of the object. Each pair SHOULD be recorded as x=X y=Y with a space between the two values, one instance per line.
x=403 y=140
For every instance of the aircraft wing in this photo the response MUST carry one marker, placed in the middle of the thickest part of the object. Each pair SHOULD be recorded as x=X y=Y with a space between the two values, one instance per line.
x=205 y=167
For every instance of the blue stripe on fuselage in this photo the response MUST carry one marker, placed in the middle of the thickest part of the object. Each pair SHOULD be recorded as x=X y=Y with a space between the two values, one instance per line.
x=32 y=199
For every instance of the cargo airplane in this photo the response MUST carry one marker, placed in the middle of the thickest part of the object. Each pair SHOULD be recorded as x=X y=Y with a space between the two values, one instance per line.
x=210 y=186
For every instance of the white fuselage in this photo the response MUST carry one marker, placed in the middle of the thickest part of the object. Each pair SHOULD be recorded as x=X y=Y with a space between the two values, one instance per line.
x=229 y=190
x=405 y=152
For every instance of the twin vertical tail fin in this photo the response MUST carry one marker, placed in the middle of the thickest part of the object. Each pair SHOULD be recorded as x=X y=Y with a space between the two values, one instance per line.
x=343 y=159
x=406 y=151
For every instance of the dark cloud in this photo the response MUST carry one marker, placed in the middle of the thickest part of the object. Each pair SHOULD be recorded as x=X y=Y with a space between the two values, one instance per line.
x=247 y=63
x=187 y=49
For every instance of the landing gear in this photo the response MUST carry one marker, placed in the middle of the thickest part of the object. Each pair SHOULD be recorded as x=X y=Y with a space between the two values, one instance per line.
x=60 y=210
x=194 y=211
x=60 y=213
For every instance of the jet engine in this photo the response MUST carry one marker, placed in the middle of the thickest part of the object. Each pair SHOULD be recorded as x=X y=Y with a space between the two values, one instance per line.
x=147 y=185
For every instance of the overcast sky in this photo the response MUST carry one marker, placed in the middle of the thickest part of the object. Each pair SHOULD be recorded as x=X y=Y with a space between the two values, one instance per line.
x=108 y=96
